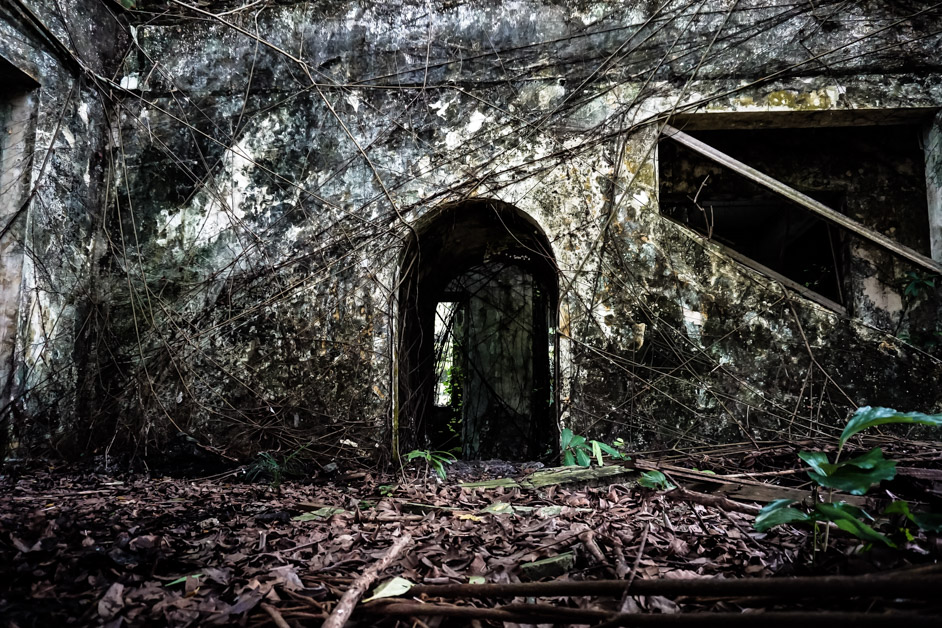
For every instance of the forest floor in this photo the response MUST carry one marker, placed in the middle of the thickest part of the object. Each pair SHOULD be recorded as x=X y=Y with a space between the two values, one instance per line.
x=115 y=550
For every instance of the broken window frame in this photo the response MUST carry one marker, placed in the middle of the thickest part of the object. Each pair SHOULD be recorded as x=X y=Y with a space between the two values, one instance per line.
x=791 y=194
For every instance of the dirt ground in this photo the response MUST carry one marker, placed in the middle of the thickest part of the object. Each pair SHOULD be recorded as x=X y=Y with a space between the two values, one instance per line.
x=91 y=549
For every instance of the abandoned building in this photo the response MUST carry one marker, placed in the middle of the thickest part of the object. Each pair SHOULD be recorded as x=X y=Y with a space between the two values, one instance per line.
x=365 y=227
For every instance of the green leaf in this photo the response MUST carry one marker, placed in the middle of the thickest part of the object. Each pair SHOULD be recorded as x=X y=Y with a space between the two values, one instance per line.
x=577 y=441
x=856 y=475
x=476 y=580
x=817 y=460
x=565 y=438
x=655 y=480
x=183 y=579
x=929 y=521
x=867 y=417
x=320 y=514
x=583 y=458
x=417 y=453
x=844 y=517
x=777 y=513
x=499 y=508
x=870 y=460
x=597 y=452
x=611 y=451
x=391 y=588
x=568 y=458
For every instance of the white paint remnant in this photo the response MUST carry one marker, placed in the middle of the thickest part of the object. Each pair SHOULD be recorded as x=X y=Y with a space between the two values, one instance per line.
x=440 y=107
x=67 y=135
x=693 y=321
x=477 y=121
x=882 y=296
x=131 y=81
x=354 y=101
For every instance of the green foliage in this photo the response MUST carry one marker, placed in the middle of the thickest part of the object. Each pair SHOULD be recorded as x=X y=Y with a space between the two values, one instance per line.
x=267 y=465
x=928 y=521
x=918 y=284
x=656 y=480
x=129 y=4
x=855 y=476
x=577 y=450
x=778 y=513
x=434 y=459
x=844 y=516
x=867 y=417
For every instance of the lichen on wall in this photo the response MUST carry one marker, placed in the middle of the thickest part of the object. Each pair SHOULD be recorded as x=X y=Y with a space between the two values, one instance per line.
x=271 y=162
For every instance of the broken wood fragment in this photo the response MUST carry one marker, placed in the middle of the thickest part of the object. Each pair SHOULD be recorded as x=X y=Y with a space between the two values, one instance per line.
x=746 y=489
x=275 y=615
x=554 y=476
x=716 y=501
x=551 y=567
x=348 y=602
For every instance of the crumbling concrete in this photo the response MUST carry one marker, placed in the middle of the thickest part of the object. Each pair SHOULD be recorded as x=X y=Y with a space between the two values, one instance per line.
x=273 y=161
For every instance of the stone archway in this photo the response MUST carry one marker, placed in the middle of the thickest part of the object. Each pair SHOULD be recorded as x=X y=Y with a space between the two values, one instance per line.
x=477 y=317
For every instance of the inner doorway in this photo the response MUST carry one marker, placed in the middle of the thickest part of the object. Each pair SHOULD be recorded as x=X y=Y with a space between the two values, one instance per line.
x=477 y=347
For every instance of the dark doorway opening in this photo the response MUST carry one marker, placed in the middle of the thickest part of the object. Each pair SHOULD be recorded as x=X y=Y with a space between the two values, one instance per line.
x=477 y=335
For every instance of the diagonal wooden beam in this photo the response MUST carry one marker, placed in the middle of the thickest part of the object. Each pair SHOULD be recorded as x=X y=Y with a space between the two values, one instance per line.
x=797 y=197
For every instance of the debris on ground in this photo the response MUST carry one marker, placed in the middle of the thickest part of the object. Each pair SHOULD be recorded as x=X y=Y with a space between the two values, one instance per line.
x=96 y=549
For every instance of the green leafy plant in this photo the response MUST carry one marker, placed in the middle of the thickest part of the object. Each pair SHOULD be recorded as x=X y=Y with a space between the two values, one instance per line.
x=855 y=476
x=655 y=480
x=434 y=459
x=918 y=284
x=576 y=450
x=267 y=465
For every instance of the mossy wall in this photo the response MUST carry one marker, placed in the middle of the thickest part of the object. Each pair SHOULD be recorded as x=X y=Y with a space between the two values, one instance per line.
x=272 y=160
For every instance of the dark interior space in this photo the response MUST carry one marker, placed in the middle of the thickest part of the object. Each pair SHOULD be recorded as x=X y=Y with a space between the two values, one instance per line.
x=477 y=304
x=874 y=174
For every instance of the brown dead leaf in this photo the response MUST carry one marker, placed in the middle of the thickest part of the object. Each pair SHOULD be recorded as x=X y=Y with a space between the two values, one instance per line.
x=112 y=602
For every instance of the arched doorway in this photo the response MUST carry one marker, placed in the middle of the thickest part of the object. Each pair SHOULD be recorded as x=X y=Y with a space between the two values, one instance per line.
x=477 y=318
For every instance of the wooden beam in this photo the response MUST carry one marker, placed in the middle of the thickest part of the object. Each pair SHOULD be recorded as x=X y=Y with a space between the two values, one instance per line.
x=745 y=260
x=797 y=197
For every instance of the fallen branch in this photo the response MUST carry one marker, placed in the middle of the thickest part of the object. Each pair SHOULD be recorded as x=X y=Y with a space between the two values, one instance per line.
x=275 y=615
x=716 y=501
x=348 y=602
x=588 y=540
x=530 y=613
x=912 y=586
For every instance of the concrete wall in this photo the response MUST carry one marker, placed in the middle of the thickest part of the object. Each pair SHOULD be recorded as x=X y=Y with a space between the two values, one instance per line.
x=51 y=207
x=273 y=160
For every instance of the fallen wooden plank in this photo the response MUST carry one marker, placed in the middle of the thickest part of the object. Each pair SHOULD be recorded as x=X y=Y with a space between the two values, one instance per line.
x=555 y=476
x=743 y=489
x=802 y=199
x=917 y=584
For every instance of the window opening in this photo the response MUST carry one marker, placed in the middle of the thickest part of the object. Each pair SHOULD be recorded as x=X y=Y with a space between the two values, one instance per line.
x=784 y=200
